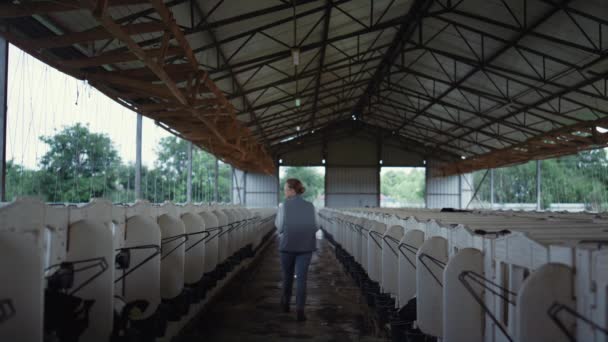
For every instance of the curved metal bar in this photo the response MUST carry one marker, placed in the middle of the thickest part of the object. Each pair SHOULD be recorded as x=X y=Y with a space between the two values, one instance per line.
x=480 y=280
x=170 y=239
x=372 y=233
x=388 y=238
x=97 y=262
x=157 y=251
x=435 y=261
x=557 y=308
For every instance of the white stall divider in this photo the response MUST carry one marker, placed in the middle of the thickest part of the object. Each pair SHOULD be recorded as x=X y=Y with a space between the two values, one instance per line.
x=463 y=316
x=229 y=232
x=364 y=233
x=461 y=237
x=239 y=230
x=173 y=241
x=90 y=245
x=56 y=224
x=430 y=261
x=194 y=265
x=550 y=285
x=222 y=220
x=356 y=239
x=142 y=243
x=390 y=260
x=600 y=276
x=410 y=243
x=211 y=243
x=22 y=262
x=374 y=248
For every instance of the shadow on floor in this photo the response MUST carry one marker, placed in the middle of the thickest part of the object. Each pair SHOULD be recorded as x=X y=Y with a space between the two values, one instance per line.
x=248 y=310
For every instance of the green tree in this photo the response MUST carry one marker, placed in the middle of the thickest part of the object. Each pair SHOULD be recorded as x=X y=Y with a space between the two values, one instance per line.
x=79 y=165
x=405 y=185
x=22 y=181
x=578 y=178
x=169 y=179
x=312 y=180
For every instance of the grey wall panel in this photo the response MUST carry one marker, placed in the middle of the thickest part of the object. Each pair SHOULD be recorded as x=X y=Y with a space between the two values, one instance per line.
x=448 y=192
x=359 y=149
x=396 y=156
x=352 y=151
x=257 y=182
x=255 y=190
x=238 y=187
x=312 y=155
x=259 y=200
x=261 y=190
x=352 y=187
x=351 y=201
x=467 y=189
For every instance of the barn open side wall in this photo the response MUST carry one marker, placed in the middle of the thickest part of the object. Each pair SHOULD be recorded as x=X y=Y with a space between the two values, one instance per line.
x=352 y=176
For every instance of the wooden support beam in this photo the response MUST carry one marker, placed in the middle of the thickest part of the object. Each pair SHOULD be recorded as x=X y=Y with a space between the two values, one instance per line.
x=26 y=9
x=131 y=83
x=167 y=17
x=97 y=33
x=559 y=142
x=113 y=58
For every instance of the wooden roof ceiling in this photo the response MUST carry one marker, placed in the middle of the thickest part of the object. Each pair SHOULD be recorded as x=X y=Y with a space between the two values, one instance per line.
x=163 y=82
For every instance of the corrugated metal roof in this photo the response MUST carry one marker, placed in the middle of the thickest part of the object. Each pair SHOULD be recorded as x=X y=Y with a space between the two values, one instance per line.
x=463 y=78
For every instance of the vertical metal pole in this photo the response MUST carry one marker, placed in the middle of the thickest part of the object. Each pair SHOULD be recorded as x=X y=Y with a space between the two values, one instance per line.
x=216 y=193
x=491 y=188
x=378 y=182
x=189 y=179
x=3 y=114
x=426 y=184
x=459 y=191
x=277 y=174
x=538 y=185
x=232 y=185
x=245 y=188
x=138 y=135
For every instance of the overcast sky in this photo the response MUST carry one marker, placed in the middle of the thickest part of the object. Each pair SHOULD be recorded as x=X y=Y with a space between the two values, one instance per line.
x=42 y=100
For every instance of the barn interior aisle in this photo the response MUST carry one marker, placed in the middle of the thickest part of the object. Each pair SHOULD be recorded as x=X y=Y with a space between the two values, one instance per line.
x=249 y=310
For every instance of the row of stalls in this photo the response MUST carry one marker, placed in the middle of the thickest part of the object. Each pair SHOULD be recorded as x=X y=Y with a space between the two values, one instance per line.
x=105 y=272
x=478 y=276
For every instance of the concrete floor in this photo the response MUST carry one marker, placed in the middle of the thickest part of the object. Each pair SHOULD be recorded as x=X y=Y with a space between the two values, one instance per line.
x=249 y=310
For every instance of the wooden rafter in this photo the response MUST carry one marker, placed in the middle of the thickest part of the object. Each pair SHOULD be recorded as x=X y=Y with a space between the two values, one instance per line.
x=181 y=96
x=555 y=143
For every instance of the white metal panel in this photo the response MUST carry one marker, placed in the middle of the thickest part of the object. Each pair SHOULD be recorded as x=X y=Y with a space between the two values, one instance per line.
x=261 y=191
x=238 y=187
x=449 y=192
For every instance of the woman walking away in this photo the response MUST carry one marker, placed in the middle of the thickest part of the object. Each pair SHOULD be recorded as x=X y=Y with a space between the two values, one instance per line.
x=296 y=222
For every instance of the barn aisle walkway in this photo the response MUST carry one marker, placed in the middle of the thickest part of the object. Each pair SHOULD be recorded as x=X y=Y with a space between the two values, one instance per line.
x=249 y=308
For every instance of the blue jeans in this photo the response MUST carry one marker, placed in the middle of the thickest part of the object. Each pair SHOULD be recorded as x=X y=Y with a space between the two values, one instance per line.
x=298 y=263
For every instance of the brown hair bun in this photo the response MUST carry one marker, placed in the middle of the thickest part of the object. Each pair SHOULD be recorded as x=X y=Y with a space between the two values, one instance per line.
x=296 y=185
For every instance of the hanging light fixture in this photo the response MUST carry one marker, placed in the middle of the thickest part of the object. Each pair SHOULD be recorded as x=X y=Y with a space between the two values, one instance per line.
x=295 y=55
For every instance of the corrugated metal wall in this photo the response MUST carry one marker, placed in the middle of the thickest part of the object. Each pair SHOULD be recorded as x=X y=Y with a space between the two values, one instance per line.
x=448 y=192
x=255 y=190
x=238 y=187
x=348 y=187
x=261 y=191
